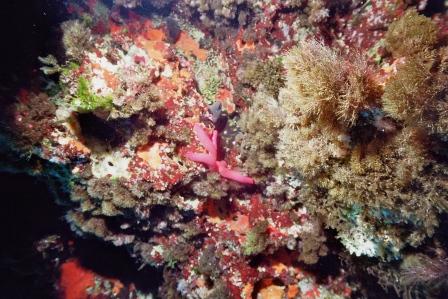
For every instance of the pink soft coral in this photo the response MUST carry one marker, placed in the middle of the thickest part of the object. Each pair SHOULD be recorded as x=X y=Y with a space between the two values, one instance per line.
x=211 y=158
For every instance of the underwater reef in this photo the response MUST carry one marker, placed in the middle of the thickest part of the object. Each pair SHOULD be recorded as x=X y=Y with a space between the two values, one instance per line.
x=243 y=149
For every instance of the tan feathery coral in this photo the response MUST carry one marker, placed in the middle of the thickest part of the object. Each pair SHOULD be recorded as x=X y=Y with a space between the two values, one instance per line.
x=410 y=34
x=77 y=38
x=411 y=89
x=328 y=87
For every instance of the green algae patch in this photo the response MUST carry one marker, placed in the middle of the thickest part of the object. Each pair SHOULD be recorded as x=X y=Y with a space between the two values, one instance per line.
x=85 y=100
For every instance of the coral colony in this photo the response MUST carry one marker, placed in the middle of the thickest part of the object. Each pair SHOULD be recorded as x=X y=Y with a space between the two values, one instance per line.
x=248 y=149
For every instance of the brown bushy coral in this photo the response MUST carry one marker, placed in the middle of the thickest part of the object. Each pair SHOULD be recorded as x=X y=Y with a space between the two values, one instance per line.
x=323 y=99
x=359 y=93
x=411 y=89
x=315 y=77
x=327 y=87
x=416 y=94
x=410 y=34
x=309 y=149
x=383 y=176
x=332 y=137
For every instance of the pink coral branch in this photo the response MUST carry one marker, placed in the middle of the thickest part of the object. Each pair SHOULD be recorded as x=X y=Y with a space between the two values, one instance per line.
x=215 y=139
x=237 y=176
x=205 y=140
x=202 y=158
x=210 y=159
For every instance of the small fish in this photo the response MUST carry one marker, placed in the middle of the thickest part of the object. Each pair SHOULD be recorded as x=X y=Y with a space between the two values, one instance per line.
x=218 y=118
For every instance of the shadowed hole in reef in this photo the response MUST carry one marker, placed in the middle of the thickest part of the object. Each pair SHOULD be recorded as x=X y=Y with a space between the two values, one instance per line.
x=101 y=134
